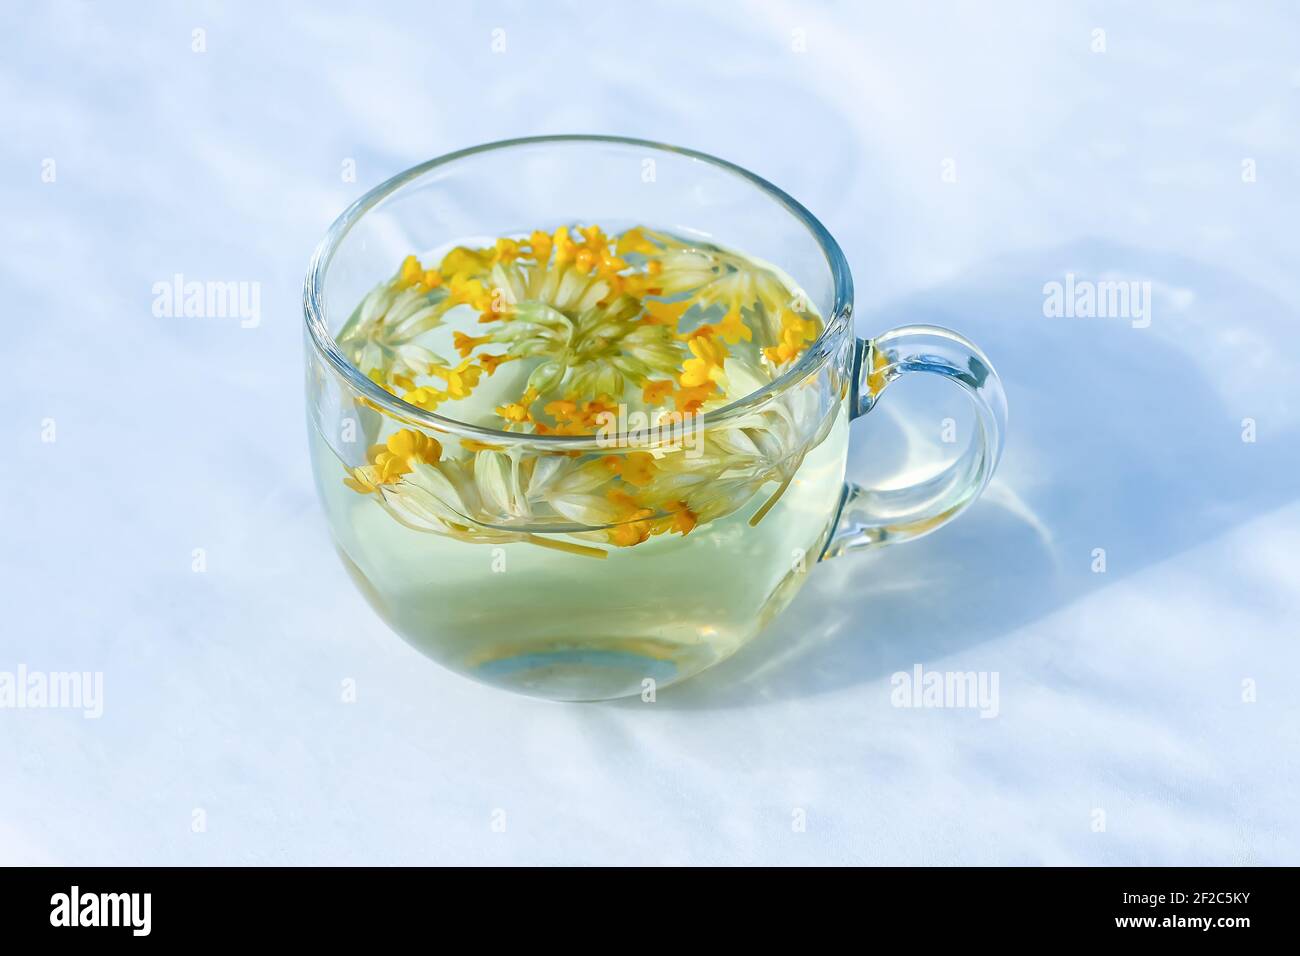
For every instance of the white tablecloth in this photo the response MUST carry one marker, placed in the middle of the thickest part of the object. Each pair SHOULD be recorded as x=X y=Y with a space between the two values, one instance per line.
x=964 y=156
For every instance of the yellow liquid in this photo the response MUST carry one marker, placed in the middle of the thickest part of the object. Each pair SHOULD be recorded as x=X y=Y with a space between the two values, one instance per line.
x=569 y=627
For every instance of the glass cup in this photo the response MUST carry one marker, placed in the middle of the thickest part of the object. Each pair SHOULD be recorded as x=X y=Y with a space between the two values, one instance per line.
x=514 y=558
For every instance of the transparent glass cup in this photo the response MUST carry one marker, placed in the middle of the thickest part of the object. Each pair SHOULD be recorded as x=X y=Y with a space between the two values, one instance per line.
x=489 y=573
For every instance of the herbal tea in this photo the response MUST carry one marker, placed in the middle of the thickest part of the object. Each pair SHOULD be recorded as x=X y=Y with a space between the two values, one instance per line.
x=596 y=568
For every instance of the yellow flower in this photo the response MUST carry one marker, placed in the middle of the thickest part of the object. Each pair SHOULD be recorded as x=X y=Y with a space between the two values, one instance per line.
x=460 y=380
x=578 y=418
x=424 y=397
x=733 y=329
x=689 y=400
x=565 y=248
x=654 y=393
x=665 y=313
x=633 y=526
x=462 y=262
x=474 y=293
x=634 y=240
x=609 y=264
x=876 y=379
x=636 y=467
x=506 y=250
x=465 y=344
x=490 y=362
x=514 y=412
x=561 y=409
x=410 y=273
x=391 y=460
x=684 y=519
x=540 y=244
x=407 y=444
x=706 y=367
x=362 y=481
x=595 y=238
x=795 y=333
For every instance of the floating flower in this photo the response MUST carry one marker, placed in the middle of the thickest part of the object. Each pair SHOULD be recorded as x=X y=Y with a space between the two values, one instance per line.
x=656 y=392
x=597 y=318
x=796 y=332
x=706 y=367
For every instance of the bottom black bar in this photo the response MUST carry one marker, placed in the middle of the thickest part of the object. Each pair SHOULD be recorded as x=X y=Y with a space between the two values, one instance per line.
x=340 y=905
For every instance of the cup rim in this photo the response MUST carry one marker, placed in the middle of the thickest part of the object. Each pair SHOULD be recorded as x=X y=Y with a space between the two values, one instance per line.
x=323 y=339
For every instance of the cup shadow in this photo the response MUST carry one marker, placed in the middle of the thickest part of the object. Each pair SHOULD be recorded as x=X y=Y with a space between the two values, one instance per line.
x=1123 y=438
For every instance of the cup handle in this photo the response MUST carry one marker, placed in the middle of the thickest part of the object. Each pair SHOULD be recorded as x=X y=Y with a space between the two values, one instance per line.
x=870 y=518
